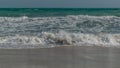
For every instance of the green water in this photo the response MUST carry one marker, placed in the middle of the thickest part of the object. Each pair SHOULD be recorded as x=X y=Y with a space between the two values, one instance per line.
x=36 y=12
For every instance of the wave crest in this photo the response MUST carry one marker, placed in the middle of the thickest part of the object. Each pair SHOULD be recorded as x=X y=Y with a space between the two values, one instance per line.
x=62 y=38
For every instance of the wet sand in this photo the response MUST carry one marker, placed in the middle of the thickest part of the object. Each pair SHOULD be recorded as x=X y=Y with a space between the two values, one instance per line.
x=61 y=57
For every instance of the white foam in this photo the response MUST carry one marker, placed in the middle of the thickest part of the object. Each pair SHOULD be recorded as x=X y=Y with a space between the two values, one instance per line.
x=16 y=31
x=61 y=39
x=82 y=23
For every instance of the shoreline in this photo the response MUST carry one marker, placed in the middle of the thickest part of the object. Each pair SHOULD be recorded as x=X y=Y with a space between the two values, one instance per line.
x=61 y=57
x=63 y=46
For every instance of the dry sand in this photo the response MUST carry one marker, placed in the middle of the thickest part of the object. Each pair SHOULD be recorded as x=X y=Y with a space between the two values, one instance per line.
x=61 y=57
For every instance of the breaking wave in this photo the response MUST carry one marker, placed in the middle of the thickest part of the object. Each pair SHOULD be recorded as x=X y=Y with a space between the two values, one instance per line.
x=71 y=30
x=60 y=39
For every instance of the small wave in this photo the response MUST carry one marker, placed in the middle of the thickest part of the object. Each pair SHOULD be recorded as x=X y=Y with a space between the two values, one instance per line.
x=62 y=38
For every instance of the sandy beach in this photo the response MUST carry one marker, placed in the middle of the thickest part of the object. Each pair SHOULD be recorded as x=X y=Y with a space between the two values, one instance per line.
x=61 y=57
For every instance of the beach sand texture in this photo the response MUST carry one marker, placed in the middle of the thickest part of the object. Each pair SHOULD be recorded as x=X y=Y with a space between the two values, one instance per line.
x=61 y=57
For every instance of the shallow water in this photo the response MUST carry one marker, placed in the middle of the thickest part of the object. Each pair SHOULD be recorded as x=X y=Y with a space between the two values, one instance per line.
x=61 y=57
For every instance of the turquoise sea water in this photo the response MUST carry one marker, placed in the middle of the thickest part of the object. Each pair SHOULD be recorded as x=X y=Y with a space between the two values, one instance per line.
x=33 y=12
x=46 y=27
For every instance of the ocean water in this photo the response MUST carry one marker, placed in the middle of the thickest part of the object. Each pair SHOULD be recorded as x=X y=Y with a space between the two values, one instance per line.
x=53 y=27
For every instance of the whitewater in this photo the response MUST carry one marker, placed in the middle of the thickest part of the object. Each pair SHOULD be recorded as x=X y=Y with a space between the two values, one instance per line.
x=55 y=31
